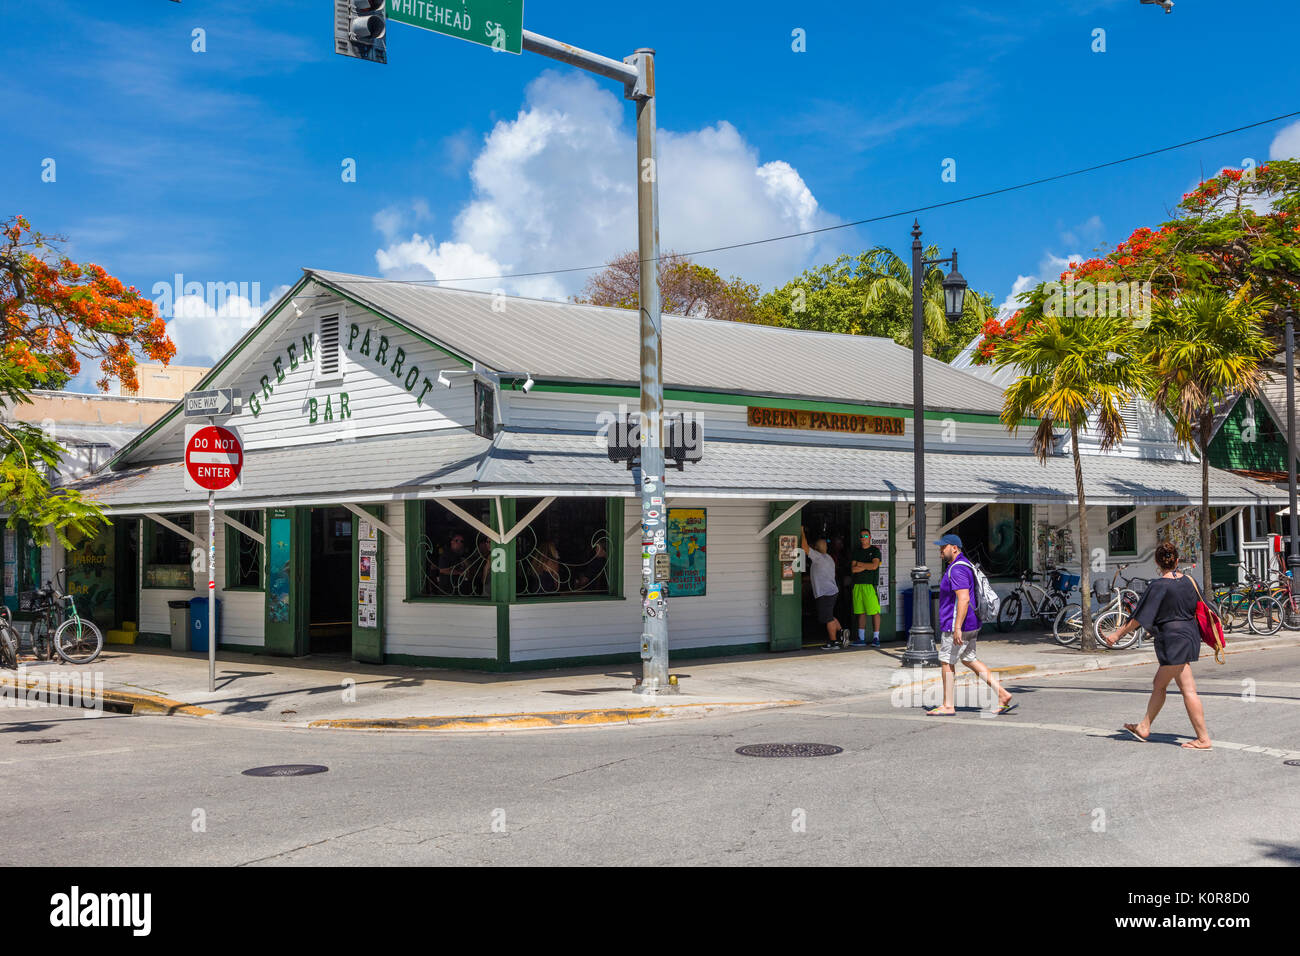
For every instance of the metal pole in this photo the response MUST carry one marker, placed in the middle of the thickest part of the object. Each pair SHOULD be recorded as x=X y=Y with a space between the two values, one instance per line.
x=920 y=636
x=212 y=591
x=637 y=73
x=1293 y=553
x=654 y=518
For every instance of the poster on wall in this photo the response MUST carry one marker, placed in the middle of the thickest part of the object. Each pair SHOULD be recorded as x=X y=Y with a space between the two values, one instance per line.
x=879 y=525
x=687 y=552
x=277 y=585
x=367 y=574
x=788 y=545
x=367 y=538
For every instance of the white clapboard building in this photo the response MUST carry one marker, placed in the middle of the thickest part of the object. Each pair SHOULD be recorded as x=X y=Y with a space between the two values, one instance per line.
x=426 y=481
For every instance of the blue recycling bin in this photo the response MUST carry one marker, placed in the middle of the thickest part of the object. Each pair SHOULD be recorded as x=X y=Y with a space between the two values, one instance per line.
x=199 y=623
x=905 y=596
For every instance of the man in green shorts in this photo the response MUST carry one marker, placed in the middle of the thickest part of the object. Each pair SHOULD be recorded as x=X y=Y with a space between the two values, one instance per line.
x=866 y=578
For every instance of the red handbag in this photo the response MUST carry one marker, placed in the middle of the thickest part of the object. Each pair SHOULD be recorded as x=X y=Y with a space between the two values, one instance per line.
x=1211 y=630
x=1211 y=627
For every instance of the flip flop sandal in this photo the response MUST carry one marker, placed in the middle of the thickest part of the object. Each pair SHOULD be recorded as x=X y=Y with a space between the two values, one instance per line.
x=935 y=713
x=1135 y=735
x=1197 y=749
x=1007 y=708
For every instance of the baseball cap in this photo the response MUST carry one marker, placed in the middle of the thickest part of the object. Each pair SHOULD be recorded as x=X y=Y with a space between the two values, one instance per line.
x=949 y=539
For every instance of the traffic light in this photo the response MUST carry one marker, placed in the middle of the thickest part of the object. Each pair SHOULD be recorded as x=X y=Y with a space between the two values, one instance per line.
x=359 y=28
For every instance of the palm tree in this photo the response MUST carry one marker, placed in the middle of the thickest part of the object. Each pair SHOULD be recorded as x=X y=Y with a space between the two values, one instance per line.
x=1206 y=347
x=889 y=285
x=1076 y=372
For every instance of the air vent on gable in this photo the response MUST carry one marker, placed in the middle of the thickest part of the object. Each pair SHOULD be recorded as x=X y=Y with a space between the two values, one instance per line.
x=1132 y=422
x=328 y=342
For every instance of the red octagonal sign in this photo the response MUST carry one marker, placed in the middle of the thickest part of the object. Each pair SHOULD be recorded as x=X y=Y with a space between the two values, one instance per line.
x=214 y=458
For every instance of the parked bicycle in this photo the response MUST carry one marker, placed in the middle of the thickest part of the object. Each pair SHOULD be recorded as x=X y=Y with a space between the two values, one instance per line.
x=1115 y=606
x=1029 y=601
x=8 y=639
x=1264 y=606
x=58 y=627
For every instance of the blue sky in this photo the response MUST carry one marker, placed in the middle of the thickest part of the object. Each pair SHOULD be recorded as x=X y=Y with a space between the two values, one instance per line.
x=225 y=165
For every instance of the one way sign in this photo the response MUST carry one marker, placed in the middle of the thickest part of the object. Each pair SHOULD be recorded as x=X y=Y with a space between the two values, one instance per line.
x=215 y=403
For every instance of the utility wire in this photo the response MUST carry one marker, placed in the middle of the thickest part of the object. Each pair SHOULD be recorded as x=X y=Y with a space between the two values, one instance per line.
x=870 y=219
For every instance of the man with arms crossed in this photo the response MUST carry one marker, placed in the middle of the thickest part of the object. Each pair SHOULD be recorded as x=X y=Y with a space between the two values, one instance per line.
x=866 y=578
x=959 y=627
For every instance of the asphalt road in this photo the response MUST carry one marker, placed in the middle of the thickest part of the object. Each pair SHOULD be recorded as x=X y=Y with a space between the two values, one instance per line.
x=1053 y=783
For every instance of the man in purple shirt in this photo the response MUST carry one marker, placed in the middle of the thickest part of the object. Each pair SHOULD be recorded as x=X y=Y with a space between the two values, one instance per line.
x=959 y=627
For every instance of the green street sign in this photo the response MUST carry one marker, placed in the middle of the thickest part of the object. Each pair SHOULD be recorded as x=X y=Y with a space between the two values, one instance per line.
x=495 y=23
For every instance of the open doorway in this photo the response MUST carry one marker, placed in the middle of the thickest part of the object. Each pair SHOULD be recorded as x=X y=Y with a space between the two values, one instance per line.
x=831 y=520
x=329 y=610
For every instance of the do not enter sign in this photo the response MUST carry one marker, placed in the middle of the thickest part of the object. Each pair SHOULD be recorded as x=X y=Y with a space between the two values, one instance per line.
x=214 y=458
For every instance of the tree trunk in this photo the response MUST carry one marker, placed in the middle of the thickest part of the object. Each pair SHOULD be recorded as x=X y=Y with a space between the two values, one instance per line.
x=1086 y=643
x=1206 y=548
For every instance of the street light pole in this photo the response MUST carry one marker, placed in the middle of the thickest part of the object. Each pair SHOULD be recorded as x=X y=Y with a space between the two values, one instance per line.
x=654 y=514
x=920 y=636
x=637 y=73
x=1293 y=553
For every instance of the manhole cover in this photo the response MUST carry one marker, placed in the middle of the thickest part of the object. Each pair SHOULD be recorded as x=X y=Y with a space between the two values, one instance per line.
x=286 y=770
x=1289 y=763
x=789 y=750
x=39 y=740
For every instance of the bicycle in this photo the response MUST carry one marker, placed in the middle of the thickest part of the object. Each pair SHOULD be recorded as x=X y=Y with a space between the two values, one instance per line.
x=1043 y=604
x=1257 y=601
x=75 y=639
x=8 y=640
x=1116 y=606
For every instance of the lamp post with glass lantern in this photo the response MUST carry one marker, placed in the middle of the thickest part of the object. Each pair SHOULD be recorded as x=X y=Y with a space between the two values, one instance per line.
x=920 y=636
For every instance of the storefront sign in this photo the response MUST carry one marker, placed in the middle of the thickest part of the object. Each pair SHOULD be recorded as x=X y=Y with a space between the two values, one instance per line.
x=824 y=421
x=687 y=537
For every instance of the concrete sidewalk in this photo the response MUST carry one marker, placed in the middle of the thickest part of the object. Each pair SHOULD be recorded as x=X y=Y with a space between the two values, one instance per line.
x=338 y=693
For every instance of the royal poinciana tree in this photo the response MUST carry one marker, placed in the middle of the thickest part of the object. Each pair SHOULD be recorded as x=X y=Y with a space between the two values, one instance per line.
x=1221 y=275
x=1241 y=227
x=54 y=313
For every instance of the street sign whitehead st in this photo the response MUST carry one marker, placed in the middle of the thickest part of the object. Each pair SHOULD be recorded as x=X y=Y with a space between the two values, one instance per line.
x=495 y=23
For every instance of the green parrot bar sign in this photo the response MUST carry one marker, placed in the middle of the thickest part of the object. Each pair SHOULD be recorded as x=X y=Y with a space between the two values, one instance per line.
x=495 y=23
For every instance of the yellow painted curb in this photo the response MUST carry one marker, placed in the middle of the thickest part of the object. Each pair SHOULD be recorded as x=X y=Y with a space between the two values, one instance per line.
x=139 y=703
x=553 y=718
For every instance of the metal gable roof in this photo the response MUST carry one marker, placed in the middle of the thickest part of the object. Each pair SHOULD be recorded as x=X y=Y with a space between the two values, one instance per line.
x=307 y=474
x=783 y=471
x=585 y=343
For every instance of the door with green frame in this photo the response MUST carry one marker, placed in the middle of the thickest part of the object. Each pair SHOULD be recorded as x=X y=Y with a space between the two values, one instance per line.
x=288 y=538
x=785 y=581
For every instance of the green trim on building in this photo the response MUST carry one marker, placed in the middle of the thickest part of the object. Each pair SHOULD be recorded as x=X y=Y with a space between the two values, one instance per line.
x=1267 y=451
x=732 y=398
x=555 y=663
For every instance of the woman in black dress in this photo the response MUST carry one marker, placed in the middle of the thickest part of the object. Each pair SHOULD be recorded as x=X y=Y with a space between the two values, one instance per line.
x=1168 y=611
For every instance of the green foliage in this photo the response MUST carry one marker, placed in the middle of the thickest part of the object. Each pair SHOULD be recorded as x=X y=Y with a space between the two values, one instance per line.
x=871 y=294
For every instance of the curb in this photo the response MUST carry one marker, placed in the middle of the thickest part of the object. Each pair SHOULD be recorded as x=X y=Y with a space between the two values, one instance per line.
x=541 y=720
x=123 y=701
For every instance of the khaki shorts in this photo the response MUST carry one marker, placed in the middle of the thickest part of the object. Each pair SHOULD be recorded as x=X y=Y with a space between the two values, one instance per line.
x=950 y=653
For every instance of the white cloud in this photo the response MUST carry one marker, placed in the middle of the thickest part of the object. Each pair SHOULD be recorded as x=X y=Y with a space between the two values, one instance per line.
x=205 y=327
x=1286 y=145
x=1049 y=268
x=554 y=188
